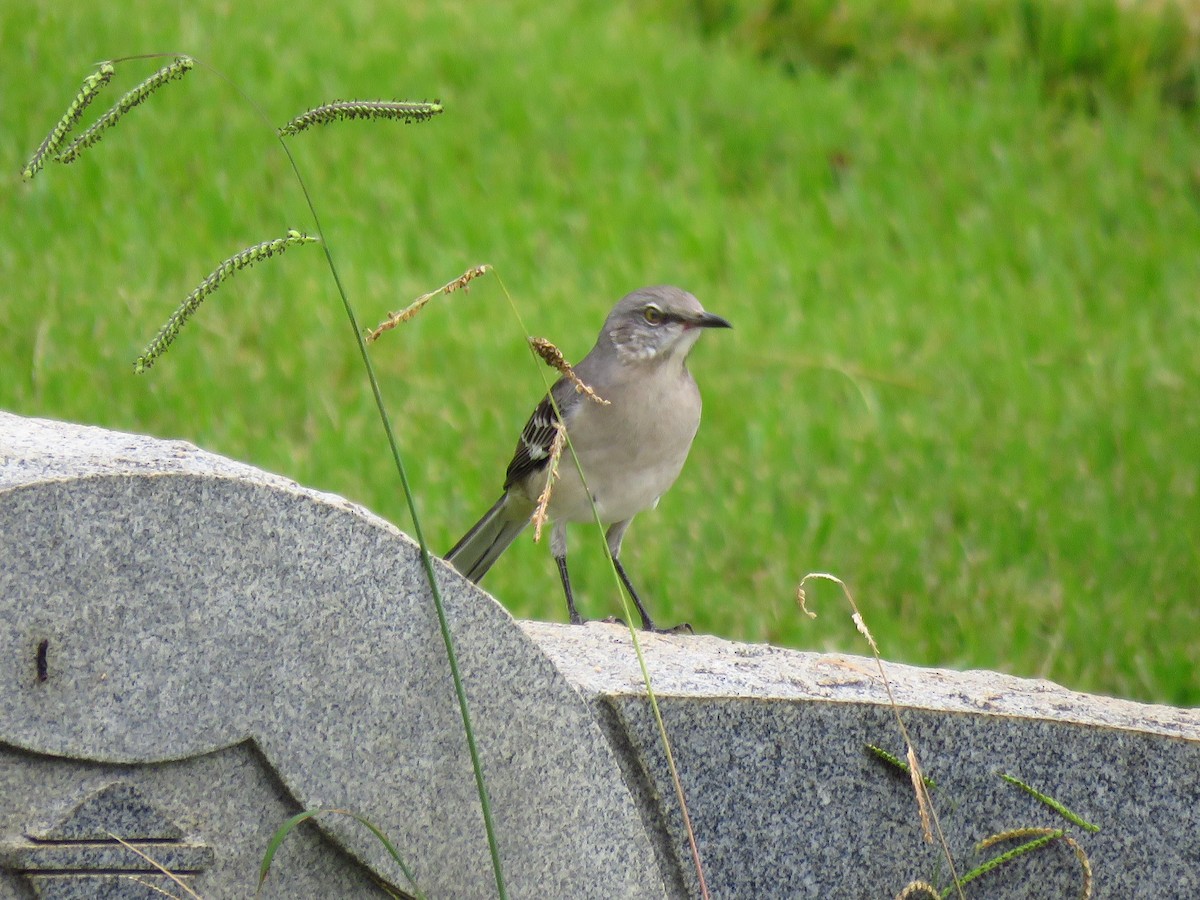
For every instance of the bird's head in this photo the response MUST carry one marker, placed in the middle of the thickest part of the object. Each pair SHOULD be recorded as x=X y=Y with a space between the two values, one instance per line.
x=658 y=323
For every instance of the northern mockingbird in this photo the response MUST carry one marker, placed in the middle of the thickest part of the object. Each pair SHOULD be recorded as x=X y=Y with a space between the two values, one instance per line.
x=631 y=450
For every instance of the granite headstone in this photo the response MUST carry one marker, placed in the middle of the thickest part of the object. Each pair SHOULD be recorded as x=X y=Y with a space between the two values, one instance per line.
x=193 y=650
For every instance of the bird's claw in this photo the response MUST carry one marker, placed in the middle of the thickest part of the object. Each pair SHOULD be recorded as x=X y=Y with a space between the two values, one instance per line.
x=681 y=628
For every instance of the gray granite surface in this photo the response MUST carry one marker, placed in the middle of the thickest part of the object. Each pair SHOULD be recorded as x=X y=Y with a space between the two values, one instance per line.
x=163 y=607
x=191 y=650
x=786 y=801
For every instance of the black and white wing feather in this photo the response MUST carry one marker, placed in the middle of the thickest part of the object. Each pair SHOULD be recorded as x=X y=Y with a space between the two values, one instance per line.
x=500 y=525
x=533 y=449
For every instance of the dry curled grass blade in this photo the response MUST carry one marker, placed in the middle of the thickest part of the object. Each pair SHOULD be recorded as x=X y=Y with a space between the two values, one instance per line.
x=462 y=282
x=341 y=110
x=1084 y=863
x=554 y=358
x=1040 y=838
x=919 y=889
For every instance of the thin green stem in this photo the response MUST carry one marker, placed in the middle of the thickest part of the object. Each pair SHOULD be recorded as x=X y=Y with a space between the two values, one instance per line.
x=410 y=499
x=418 y=532
x=893 y=760
x=629 y=619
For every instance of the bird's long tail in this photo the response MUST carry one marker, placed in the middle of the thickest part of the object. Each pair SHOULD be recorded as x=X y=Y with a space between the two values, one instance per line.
x=487 y=539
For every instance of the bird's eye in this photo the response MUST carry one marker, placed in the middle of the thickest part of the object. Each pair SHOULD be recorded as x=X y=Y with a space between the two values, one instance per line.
x=653 y=315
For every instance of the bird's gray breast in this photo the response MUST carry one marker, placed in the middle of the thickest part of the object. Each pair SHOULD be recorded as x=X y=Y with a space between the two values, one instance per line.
x=632 y=450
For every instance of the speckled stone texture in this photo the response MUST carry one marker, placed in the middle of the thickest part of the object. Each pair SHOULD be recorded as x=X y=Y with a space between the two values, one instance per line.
x=786 y=801
x=221 y=648
x=191 y=650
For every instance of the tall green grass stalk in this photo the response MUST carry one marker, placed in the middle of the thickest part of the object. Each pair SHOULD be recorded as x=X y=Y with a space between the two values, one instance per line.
x=341 y=110
x=419 y=534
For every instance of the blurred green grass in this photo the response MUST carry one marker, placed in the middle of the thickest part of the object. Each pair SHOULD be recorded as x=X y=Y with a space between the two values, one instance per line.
x=1085 y=52
x=964 y=370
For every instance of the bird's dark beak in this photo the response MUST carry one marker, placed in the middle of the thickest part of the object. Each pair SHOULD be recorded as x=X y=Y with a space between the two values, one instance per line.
x=711 y=320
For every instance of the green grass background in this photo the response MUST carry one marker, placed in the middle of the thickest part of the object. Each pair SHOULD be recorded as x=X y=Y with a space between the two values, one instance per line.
x=965 y=365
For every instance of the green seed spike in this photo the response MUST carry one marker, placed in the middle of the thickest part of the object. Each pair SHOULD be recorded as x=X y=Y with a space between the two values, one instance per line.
x=1052 y=803
x=893 y=760
x=92 y=85
x=403 y=110
x=1044 y=837
x=248 y=257
x=887 y=757
x=133 y=97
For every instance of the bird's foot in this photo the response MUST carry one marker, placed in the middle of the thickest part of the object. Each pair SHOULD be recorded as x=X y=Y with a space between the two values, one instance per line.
x=681 y=628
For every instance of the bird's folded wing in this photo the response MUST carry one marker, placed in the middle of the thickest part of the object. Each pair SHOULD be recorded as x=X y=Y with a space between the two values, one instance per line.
x=533 y=449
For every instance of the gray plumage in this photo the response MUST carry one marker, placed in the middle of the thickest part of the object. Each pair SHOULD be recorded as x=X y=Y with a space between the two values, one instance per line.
x=631 y=450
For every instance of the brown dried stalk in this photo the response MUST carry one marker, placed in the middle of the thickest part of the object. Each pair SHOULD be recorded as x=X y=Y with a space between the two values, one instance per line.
x=417 y=305
x=541 y=514
x=553 y=357
x=928 y=815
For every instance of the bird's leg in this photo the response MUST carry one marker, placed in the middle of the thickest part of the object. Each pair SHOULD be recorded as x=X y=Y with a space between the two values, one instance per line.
x=558 y=547
x=614 y=535
x=566 y=583
x=647 y=622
